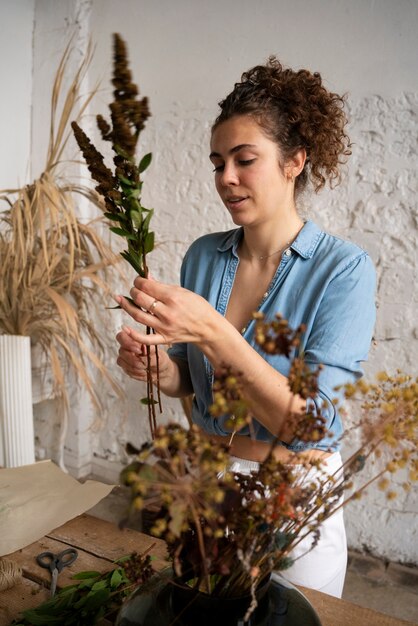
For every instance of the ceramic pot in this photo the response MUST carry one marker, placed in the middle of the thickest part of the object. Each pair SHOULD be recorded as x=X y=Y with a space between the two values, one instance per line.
x=165 y=602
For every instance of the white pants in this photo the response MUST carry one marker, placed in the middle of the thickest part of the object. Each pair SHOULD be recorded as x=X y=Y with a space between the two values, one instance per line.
x=324 y=566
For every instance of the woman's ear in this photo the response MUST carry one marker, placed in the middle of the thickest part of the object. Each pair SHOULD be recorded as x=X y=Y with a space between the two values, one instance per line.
x=295 y=165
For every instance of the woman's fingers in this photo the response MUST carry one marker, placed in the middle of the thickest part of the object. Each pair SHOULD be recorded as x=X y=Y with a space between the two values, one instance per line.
x=135 y=344
x=132 y=364
x=136 y=365
x=151 y=287
x=151 y=301
x=174 y=314
x=131 y=338
x=147 y=319
x=147 y=303
x=133 y=349
x=129 y=342
x=132 y=359
x=135 y=311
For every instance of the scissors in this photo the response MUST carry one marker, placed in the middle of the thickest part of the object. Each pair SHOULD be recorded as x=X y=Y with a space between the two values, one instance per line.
x=56 y=562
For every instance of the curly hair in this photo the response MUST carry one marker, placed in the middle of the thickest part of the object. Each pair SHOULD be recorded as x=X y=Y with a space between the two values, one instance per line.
x=296 y=111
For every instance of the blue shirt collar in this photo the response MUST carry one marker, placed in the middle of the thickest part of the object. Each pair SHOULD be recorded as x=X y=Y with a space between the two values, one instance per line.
x=305 y=243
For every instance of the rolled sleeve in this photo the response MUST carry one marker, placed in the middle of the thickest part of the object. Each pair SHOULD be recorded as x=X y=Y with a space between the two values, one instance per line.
x=340 y=339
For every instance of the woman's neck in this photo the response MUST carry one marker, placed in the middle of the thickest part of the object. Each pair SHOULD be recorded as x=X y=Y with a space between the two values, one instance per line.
x=265 y=241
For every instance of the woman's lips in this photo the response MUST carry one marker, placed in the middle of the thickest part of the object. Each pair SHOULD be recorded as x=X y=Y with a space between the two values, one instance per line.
x=235 y=202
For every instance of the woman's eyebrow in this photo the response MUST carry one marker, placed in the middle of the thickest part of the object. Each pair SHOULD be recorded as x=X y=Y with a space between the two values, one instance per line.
x=233 y=150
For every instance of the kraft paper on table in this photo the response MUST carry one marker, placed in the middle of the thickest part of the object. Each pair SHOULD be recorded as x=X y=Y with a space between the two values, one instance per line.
x=37 y=498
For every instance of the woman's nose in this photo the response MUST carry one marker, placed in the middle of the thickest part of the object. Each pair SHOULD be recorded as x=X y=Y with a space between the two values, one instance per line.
x=229 y=176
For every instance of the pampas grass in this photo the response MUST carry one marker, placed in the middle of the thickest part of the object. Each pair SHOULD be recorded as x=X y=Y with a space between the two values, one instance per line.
x=54 y=268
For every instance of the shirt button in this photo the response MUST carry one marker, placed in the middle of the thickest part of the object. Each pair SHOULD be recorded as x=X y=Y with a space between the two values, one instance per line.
x=243 y=330
x=265 y=294
x=288 y=252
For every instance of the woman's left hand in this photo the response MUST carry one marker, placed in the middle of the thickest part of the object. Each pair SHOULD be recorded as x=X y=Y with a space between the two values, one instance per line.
x=176 y=315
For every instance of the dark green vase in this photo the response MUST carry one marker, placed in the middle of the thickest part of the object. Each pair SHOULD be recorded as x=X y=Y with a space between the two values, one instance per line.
x=164 y=602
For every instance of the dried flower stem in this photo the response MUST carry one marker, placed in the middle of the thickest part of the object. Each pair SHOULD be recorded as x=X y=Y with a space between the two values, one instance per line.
x=122 y=189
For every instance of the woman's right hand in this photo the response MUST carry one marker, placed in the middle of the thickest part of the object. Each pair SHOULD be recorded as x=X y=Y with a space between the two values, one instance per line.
x=174 y=376
x=132 y=357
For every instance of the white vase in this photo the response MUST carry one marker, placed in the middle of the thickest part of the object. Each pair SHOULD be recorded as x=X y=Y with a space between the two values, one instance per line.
x=17 y=445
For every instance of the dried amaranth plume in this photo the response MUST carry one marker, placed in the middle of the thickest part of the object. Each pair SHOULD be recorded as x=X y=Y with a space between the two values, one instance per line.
x=122 y=188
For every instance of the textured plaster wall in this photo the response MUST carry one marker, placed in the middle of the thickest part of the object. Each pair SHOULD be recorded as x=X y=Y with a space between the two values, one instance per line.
x=16 y=19
x=380 y=193
x=186 y=56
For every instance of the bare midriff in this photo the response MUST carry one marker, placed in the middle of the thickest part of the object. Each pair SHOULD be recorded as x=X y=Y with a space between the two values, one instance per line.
x=246 y=448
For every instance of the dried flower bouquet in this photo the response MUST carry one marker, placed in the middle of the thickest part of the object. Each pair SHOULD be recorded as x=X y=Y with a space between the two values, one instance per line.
x=54 y=266
x=226 y=531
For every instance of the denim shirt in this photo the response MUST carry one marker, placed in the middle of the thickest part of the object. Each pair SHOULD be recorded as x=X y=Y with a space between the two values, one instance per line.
x=322 y=281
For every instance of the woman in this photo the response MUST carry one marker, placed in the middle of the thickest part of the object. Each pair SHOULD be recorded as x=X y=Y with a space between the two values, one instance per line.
x=277 y=130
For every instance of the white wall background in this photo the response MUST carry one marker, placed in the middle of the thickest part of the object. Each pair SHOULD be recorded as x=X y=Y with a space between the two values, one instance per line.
x=17 y=22
x=186 y=55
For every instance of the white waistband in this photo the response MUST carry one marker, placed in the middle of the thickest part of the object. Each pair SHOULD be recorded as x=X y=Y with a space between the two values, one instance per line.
x=330 y=464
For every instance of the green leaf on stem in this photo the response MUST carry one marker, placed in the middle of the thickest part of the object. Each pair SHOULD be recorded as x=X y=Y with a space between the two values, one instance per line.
x=144 y=163
x=133 y=204
x=83 y=575
x=134 y=261
x=120 y=231
x=147 y=401
x=116 y=579
x=121 y=152
x=134 y=193
x=147 y=220
x=101 y=584
x=116 y=217
x=149 y=242
x=136 y=218
x=126 y=181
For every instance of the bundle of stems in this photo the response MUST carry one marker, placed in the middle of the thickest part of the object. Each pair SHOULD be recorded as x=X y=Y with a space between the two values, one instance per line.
x=122 y=188
x=53 y=266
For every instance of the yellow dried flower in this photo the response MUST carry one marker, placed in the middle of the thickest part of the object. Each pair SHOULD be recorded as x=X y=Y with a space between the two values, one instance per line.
x=159 y=527
x=218 y=496
x=349 y=391
x=363 y=387
x=413 y=475
x=161 y=442
x=130 y=478
x=138 y=503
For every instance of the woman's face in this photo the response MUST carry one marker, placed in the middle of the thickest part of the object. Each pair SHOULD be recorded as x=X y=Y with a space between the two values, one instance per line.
x=248 y=174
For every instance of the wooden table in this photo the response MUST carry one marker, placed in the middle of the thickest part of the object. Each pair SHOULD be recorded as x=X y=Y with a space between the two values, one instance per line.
x=99 y=543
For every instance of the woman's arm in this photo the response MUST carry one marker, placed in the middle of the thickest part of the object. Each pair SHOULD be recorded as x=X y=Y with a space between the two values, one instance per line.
x=183 y=316
x=339 y=339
